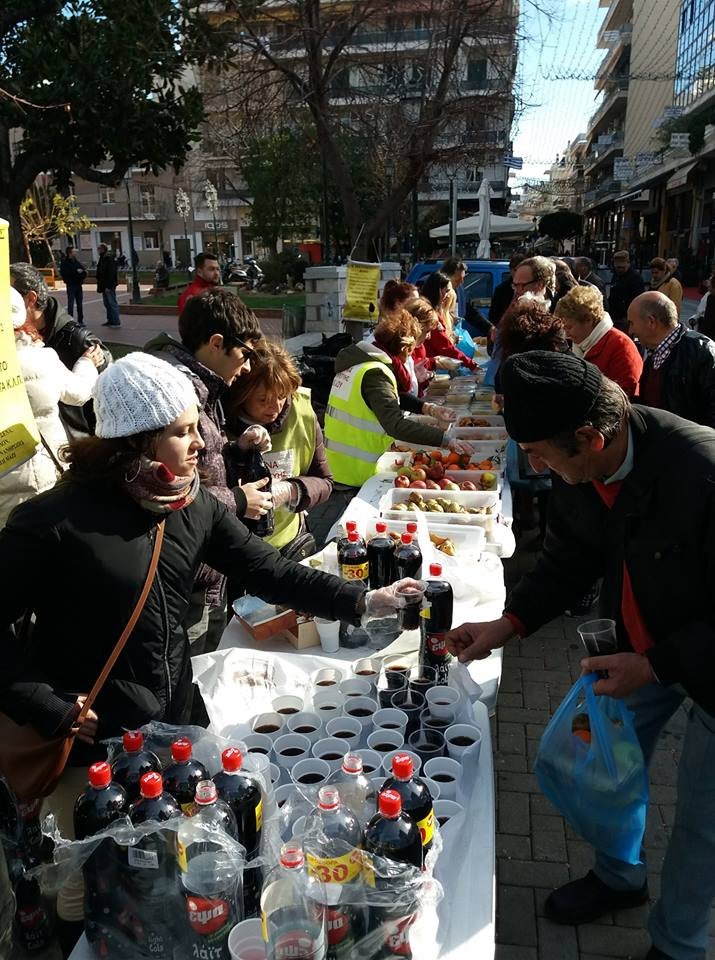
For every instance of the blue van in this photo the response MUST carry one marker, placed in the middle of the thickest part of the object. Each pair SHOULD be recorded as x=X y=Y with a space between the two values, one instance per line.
x=481 y=279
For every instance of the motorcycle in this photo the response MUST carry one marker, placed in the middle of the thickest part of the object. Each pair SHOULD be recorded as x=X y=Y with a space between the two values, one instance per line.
x=249 y=277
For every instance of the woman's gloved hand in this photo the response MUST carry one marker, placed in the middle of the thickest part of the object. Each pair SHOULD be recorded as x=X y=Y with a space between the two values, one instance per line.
x=448 y=363
x=422 y=373
x=460 y=446
x=284 y=494
x=255 y=436
x=388 y=601
x=444 y=414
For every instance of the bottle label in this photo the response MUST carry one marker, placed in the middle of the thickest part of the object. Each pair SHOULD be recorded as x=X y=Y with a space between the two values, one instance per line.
x=426 y=828
x=340 y=930
x=437 y=644
x=355 y=571
x=424 y=612
x=187 y=808
x=143 y=859
x=208 y=917
x=336 y=869
x=181 y=856
x=264 y=926
x=397 y=936
x=259 y=815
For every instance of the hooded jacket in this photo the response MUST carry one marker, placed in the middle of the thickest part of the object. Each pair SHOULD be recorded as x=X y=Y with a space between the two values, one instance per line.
x=379 y=395
x=99 y=529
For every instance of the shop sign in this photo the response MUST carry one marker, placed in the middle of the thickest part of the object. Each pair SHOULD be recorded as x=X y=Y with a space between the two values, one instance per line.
x=679 y=140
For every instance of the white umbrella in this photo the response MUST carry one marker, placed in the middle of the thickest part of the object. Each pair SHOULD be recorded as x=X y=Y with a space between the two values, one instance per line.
x=484 y=220
x=499 y=226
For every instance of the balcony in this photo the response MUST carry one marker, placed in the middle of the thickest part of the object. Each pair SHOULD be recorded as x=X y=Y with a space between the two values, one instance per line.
x=619 y=13
x=613 y=60
x=486 y=87
x=598 y=155
x=613 y=104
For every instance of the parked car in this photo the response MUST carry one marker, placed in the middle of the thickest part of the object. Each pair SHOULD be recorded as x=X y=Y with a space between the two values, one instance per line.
x=481 y=279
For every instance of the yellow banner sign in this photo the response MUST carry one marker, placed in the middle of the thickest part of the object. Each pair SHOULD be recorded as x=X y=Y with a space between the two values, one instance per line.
x=18 y=432
x=361 y=292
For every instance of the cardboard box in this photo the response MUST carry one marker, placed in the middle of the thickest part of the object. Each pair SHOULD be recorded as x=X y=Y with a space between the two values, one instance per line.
x=303 y=634
x=263 y=620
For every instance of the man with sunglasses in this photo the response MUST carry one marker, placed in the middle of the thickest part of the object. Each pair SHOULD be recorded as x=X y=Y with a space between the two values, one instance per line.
x=218 y=333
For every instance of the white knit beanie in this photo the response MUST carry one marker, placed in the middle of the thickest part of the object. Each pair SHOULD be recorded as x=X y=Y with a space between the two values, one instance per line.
x=138 y=393
x=17 y=309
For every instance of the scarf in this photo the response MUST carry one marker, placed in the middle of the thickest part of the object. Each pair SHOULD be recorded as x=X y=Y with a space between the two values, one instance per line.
x=402 y=374
x=598 y=333
x=155 y=488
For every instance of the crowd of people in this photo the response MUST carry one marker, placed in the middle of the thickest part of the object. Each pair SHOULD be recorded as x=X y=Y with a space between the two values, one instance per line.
x=606 y=392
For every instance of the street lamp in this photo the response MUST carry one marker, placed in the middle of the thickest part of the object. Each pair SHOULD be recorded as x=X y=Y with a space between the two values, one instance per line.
x=136 y=291
x=183 y=209
x=211 y=195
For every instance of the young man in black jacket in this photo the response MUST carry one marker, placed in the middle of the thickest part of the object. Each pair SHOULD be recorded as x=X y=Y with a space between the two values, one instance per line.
x=74 y=274
x=613 y=514
x=107 y=284
x=626 y=285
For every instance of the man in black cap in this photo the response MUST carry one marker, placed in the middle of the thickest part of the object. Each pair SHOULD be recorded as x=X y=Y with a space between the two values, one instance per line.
x=633 y=502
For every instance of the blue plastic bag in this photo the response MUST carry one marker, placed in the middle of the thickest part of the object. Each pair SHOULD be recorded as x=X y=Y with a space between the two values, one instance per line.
x=590 y=766
x=464 y=341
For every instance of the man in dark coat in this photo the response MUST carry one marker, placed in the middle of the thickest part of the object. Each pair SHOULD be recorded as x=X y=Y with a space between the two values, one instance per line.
x=679 y=369
x=107 y=284
x=613 y=514
x=74 y=274
x=586 y=275
x=626 y=285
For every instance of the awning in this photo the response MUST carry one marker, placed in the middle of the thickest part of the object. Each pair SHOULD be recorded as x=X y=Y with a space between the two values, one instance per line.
x=636 y=196
x=680 y=177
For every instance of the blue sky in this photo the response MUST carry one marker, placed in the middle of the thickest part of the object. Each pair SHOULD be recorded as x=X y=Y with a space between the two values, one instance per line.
x=559 y=39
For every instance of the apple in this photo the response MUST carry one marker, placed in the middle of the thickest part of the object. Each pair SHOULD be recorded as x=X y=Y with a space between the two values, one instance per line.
x=418 y=485
x=448 y=484
x=405 y=472
x=436 y=471
x=419 y=474
x=467 y=485
x=402 y=481
x=431 y=485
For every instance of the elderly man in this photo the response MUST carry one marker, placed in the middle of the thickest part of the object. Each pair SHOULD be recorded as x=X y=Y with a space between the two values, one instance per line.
x=586 y=275
x=679 y=369
x=626 y=285
x=60 y=331
x=613 y=514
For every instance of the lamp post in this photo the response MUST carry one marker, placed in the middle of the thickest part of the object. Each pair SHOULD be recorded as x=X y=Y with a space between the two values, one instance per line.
x=136 y=291
x=183 y=209
x=211 y=195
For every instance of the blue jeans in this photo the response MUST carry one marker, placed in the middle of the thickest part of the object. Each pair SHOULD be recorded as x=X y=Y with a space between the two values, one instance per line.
x=678 y=923
x=109 y=297
x=74 y=296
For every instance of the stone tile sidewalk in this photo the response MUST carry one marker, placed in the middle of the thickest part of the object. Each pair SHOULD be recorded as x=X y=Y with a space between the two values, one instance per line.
x=536 y=851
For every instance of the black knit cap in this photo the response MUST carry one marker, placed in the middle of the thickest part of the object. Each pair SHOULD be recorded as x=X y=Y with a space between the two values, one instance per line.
x=547 y=393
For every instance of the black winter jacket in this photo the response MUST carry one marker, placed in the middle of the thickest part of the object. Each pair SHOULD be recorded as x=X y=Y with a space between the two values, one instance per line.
x=688 y=378
x=106 y=273
x=663 y=525
x=625 y=287
x=97 y=531
x=73 y=272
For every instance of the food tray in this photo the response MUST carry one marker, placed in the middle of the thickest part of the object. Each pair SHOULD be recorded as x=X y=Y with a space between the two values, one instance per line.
x=467 y=540
x=483 y=449
x=465 y=498
x=490 y=420
x=479 y=433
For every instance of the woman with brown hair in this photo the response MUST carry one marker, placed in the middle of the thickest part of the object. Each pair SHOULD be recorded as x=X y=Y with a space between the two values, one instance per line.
x=269 y=409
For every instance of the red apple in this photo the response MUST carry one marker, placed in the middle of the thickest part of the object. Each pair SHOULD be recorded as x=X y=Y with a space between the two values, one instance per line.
x=402 y=481
x=431 y=485
x=419 y=474
x=445 y=483
x=418 y=485
x=436 y=471
x=467 y=485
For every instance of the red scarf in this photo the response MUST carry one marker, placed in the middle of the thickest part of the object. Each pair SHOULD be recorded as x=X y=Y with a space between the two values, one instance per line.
x=402 y=374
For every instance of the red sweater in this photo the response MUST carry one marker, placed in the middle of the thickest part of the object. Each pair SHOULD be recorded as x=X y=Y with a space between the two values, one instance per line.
x=197 y=286
x=617 y=357
x=438 y=344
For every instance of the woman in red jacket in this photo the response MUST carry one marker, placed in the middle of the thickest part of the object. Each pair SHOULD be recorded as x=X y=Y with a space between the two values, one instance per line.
x=594 y=338
x=437 y=288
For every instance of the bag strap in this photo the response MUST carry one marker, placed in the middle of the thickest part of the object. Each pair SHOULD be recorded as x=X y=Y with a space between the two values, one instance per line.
x=51 y=454
x=121 y=643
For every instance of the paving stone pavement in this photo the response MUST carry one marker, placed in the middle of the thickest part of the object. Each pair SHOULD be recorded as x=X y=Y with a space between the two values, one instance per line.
x=536 y=850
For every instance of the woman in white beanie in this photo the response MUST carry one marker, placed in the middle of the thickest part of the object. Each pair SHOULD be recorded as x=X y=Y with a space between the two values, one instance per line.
x=47 y=382
x=101 y=519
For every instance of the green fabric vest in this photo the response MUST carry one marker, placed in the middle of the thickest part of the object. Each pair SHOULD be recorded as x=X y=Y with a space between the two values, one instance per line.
x=291 y=456
x=354 y=438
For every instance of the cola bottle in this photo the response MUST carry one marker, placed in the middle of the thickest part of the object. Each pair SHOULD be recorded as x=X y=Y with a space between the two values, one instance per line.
x=391 y=835
x=150 y=874
x=30 y=830
x=408 y=558
x=352 y=786
x=333 y=853
x=132 y=763
x=353 y=559
x=211 y=887
x=293 y=918
x=381 y=557
x=33 y=924
x=243 y=795
x=207 y=815
x=256 y=469
x=343 y=534
x=182 y=776
x=101 y=803
x=415 y=796
x=436 y=620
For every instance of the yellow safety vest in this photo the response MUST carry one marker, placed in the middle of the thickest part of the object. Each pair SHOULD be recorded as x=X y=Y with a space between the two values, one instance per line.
x=354 y=438
x=291 y=456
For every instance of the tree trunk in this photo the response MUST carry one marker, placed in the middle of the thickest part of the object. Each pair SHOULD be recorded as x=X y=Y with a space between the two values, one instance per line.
x=10 y=211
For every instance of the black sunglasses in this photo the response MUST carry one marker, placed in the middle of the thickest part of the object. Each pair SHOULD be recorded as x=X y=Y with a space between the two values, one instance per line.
x=248 y=352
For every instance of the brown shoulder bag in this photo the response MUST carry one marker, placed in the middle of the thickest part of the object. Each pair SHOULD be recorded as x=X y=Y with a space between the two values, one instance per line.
x=31 y=763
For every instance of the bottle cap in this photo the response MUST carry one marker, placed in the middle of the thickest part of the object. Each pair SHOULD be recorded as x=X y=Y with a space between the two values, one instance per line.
x=133 y=741
x=407 y=538
x=206 y=792
x=412 y=526
x=232 y=759
x=353 y=536
x=292 y=856
x=402 y=766
x=181 y=750
x=352 y=763
x=151 y=785
x=351 y=525
x=435 y=569
x=381 y=527
x=389 y=803
x=100 y=775
x=328 y=798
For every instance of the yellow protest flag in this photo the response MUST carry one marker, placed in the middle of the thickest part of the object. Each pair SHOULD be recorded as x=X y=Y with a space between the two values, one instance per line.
x=19 y=435
x=361 y=297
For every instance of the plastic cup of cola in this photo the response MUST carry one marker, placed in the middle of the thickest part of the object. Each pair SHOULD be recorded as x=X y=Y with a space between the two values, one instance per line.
x=328 y=704
x=462 y=737
x=331 y=750
x=355 y=687
x=446 y=773
x=411 y=703
x=310 y=773
x=325 y=678
x=307 y=724
x=371 y=761
x=362 y=709
x=445 y=810
x=346 y=729
x=290 y=748
x=270 y=724
x=427 y=744
x=441 y=698
x=287 y=705
x=434 y=788
x=367 y=669
x=390 y=719
x=383 y=742
x=258 y=743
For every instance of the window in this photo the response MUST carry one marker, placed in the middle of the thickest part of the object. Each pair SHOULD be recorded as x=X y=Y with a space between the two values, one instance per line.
x=106 y=195
x=151 y=240
x=148 y=200
x=478 y=285
x=477 y=73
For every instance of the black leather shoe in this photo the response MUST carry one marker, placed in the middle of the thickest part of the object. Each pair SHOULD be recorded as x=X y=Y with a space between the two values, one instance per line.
x=584 y=900
x=655 y=954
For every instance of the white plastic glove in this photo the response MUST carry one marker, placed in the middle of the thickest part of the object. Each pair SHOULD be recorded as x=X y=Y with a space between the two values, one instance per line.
x=258 y=500
x=255 y=436
x=445 y=414
x=448 y=363
x=460 y=446
x=387 y=601
x=283 y=493
x=422 y=373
